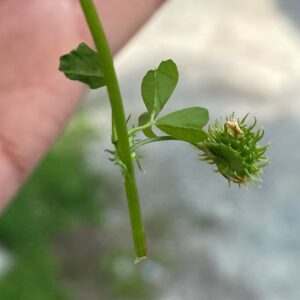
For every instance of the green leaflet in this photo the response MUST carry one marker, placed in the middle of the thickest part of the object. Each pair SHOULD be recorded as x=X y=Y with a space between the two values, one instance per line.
x=145 y=118
x=185 y=124
x=82 y=64
x=158 y=85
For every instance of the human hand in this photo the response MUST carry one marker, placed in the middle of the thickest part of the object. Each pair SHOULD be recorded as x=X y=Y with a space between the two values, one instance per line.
x=36 y=100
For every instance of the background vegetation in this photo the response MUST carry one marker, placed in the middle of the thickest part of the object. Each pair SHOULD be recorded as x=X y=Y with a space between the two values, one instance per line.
x=52 y=228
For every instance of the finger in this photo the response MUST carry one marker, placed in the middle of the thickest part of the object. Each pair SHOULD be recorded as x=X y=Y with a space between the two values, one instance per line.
x=35 y=99
x=121 y=19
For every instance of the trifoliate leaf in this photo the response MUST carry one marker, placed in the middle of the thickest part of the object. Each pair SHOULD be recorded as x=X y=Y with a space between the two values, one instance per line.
x=158 y=85
x=82 y=64
x=185 y=124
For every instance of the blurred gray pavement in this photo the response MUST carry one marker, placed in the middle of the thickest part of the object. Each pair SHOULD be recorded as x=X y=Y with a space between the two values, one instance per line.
x=292 y=9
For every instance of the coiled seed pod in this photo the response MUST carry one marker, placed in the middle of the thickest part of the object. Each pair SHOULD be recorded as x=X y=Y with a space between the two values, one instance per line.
x=233 y=147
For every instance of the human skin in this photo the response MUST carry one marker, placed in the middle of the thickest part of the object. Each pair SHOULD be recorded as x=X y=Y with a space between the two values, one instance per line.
x=36 y=100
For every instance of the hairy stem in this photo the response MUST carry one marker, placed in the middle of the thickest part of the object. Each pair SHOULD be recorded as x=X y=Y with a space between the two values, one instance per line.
x=119 y=122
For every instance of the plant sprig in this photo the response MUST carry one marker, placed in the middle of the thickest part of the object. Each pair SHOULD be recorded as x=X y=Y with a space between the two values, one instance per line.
x=232 y=145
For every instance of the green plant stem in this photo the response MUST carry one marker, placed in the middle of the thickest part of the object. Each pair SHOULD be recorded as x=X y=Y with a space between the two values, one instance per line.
x=159 y=139
x=119 y=121
x=152 y=140
x=151 y=122
x=139 y=128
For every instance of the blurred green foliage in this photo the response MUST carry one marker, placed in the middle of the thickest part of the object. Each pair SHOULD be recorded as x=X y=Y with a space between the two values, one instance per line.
x=63 y=195
x=125 y=280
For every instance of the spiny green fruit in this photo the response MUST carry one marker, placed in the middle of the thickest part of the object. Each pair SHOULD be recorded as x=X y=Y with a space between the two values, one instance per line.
x=233 y=147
